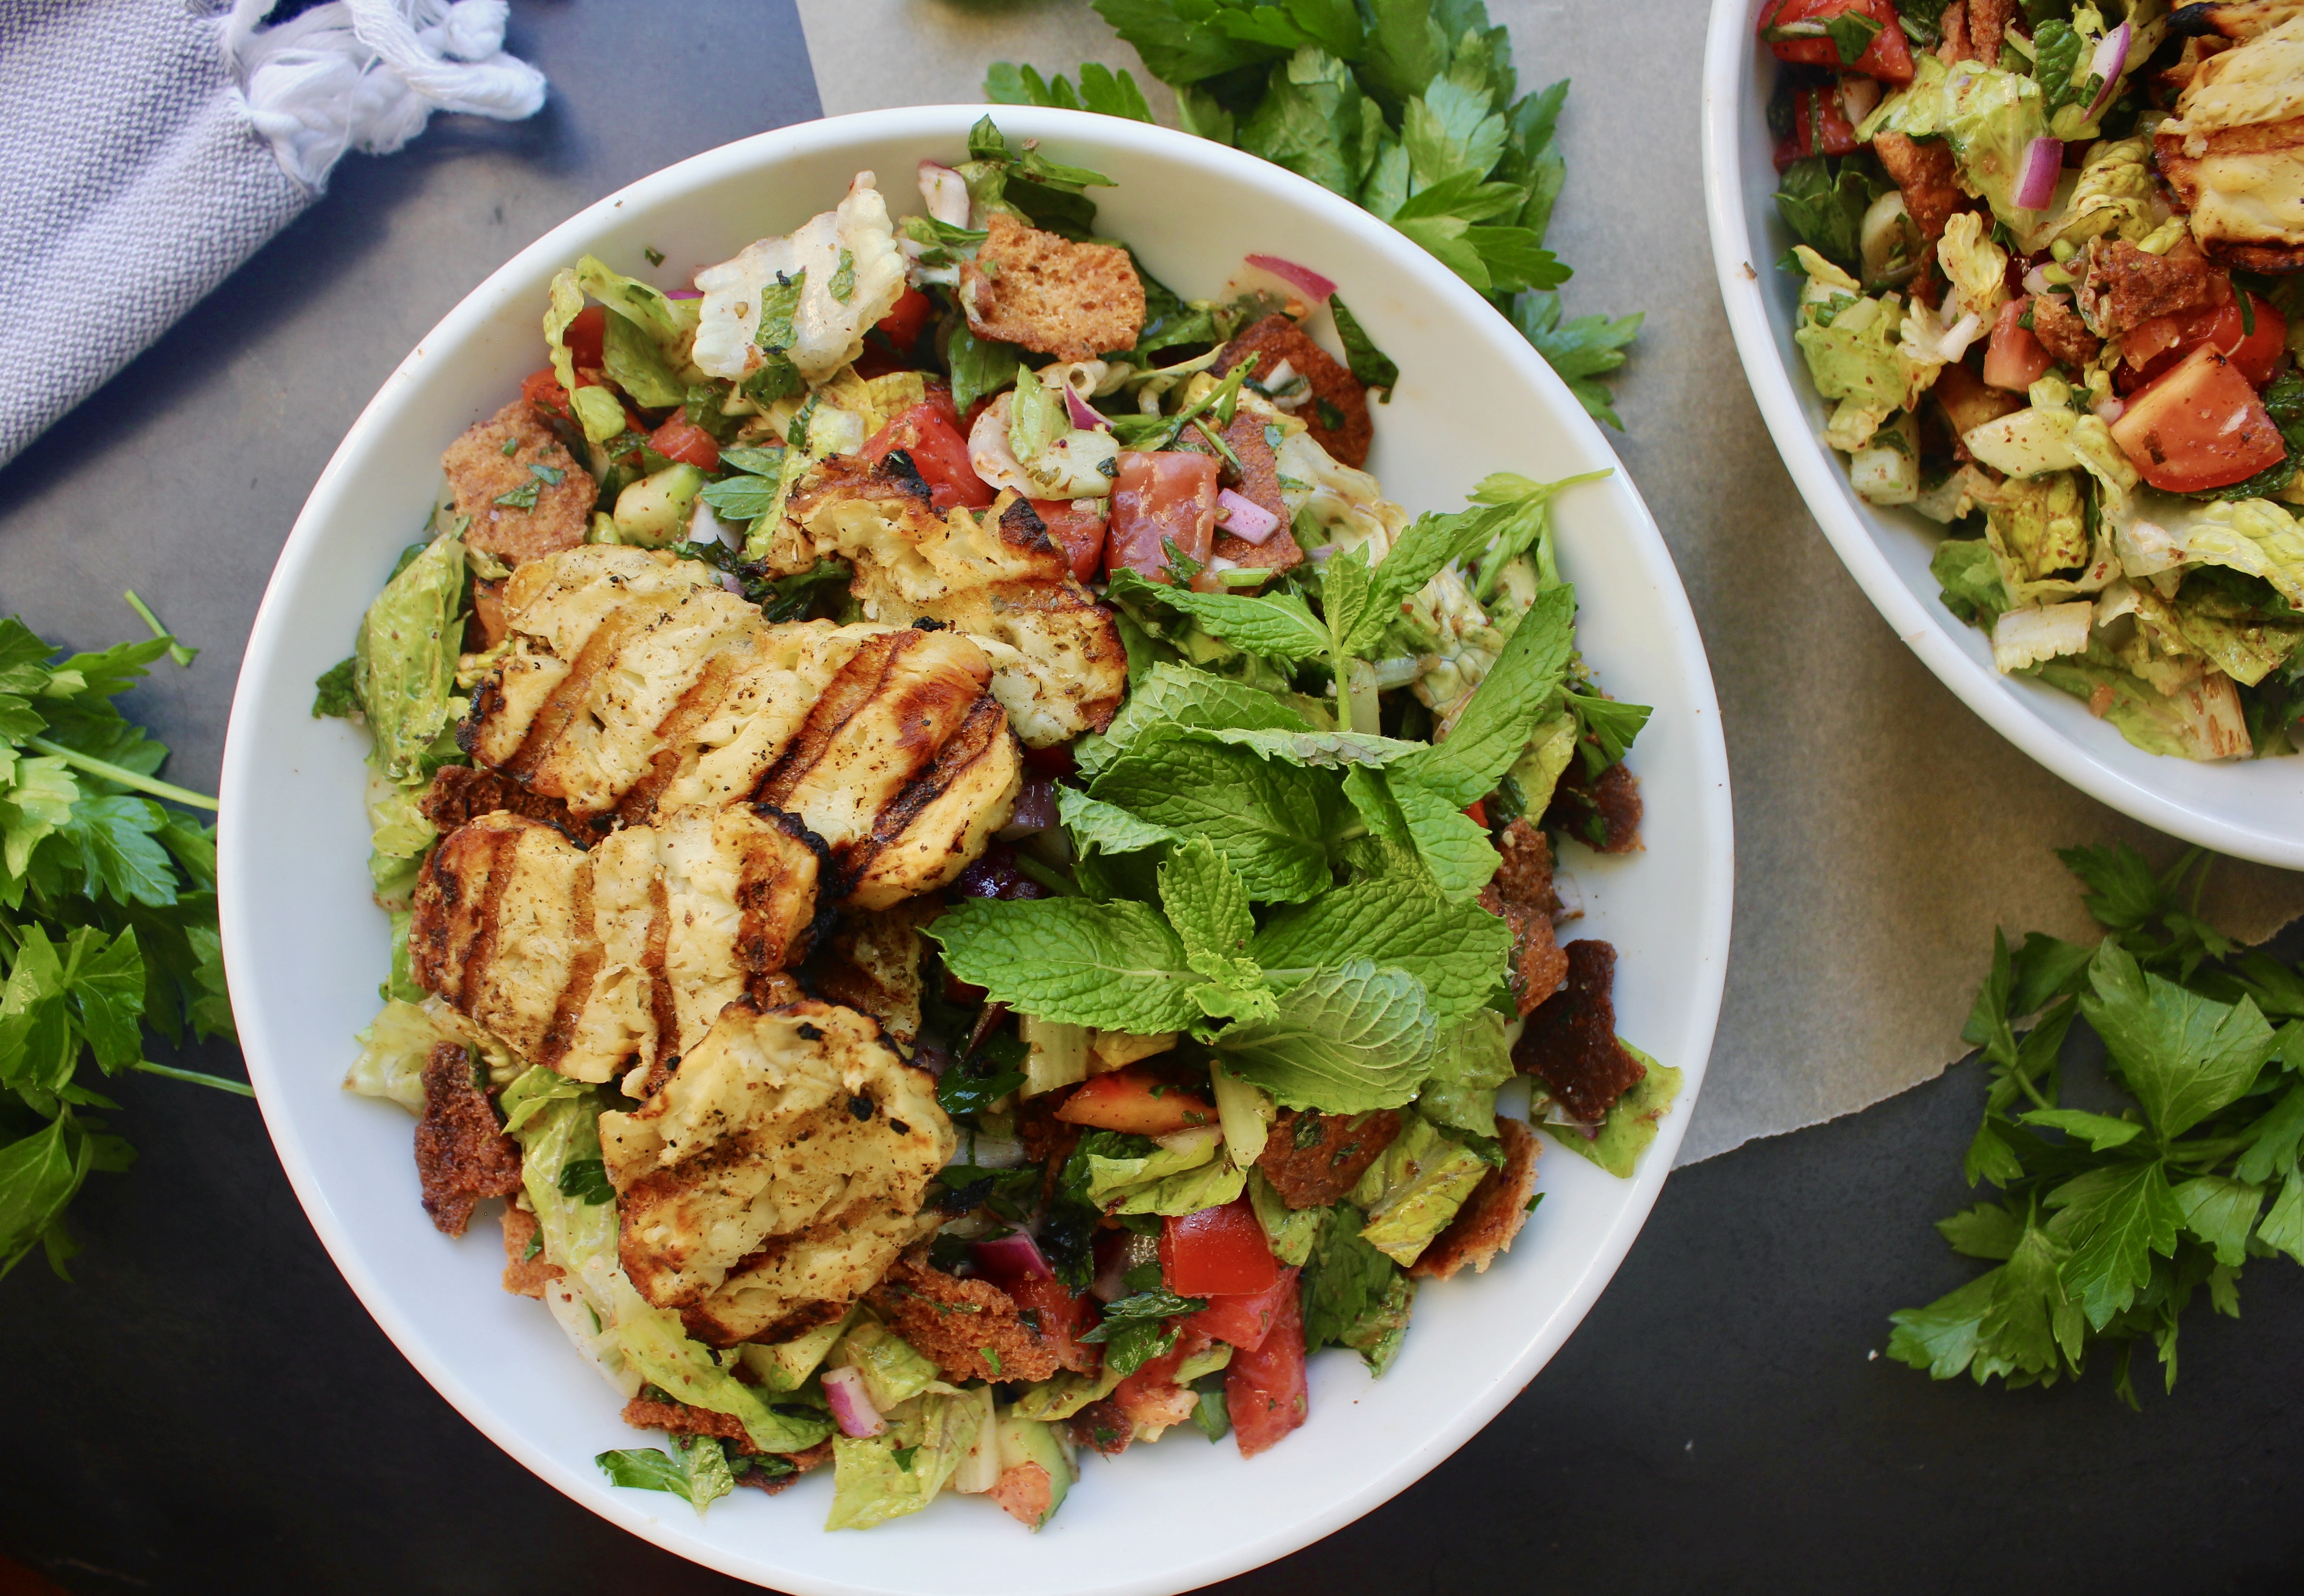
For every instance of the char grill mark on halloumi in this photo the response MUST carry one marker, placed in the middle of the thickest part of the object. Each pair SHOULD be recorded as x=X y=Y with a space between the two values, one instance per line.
x=1059 y=668
x=634 y=690
x=589 y=963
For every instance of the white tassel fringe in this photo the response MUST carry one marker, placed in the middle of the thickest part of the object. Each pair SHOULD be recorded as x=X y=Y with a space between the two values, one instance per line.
x=366 y=74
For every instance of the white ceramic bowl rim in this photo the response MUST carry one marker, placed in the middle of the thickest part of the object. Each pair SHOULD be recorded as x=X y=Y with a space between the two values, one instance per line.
x=274 y=1050
x=2222 y=813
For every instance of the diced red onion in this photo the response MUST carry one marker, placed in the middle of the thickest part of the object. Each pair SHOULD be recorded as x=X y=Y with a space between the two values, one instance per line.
x=2110 y=408
x=1085 y=416
x=731 y=584
x=1035 y=811
x=1303 y=277
x=945 y=194
x=1244 y=517
x=683 y=293
x=931 y=1054
x=1014 y=1256
x=852 y=1405
x=2036 y=281
x=2035 y=180
x=1320 y=555
x=2111 y=60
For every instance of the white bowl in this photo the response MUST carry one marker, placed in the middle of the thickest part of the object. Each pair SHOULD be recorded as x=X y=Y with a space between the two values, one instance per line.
x=306 y=950
x=2253 y=809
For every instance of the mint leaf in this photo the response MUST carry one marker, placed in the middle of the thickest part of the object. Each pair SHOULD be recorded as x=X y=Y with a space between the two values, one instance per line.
x=1281 y=627
x=1494 y=730
x=1457 y=951
x=1454 y=847
x=2184 y=1056
x=1105 y=827
x=1272 y=821
x=2114 y=1219
x=1207 y=908
x=1115 y=966
x=696 y=1470
x=1176 y=695
x=1344 y=1041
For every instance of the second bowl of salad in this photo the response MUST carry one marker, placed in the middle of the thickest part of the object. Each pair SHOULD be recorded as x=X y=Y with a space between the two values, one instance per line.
x=2016 y=286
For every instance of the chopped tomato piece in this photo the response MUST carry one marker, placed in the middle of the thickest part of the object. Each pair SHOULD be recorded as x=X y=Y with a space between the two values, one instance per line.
x=2152 y=347
x=2201 y=426
x=586 y=336
x=1264 y=1387
x=1824 y=128
x=1063 y=1318
x=1138 y=1101
x=680 y=439
x=928 y=435
x=1161 y=496
x=2014 y=359
x=1216 y=1251
x=1246 y=1317
x=908 y=319
x=1079 y=532
x=1478 y=813
x=1795 y=31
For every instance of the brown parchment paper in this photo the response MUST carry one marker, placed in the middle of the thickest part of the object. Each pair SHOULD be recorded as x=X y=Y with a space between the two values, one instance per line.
x=1882 y=829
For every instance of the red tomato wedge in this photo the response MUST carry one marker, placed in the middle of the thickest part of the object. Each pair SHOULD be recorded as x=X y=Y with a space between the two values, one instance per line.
x=586 y=336
x=1080 y=533
x=2199 y=427
x=2014 y=359
x=929 y=434
x=1136 y=1102
x=1218 y=1251
x=1246 y=1319
x=1161 y=496
x=908 y=319
x=679 y=439
x=1795 y=31
x=2152 y=347
x=1265 y=1387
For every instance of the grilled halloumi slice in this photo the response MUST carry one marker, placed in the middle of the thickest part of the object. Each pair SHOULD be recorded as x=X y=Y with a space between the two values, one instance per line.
x=778 y=1172
x=594 y=963
x=871 y=961
x=2233 y=154
x=635 y=687
x=1059 y=667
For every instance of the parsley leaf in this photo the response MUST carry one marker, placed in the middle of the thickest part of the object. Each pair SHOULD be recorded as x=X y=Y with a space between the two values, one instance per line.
x=2113 y=1221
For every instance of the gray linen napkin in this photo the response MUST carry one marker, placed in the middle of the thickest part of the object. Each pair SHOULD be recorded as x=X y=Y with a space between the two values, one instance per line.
x=153 y=145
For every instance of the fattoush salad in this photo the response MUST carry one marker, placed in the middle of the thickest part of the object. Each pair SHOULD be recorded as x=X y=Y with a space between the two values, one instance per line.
x=2051 y=252
x=969 y=881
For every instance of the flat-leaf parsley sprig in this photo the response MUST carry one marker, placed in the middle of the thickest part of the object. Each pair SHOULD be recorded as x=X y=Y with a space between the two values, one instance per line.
x=2110 y=1223
x=1409 y=109
x=107 y=922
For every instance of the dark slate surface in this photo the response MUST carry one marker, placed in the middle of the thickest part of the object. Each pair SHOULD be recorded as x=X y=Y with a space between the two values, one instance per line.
x=208 y=1409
